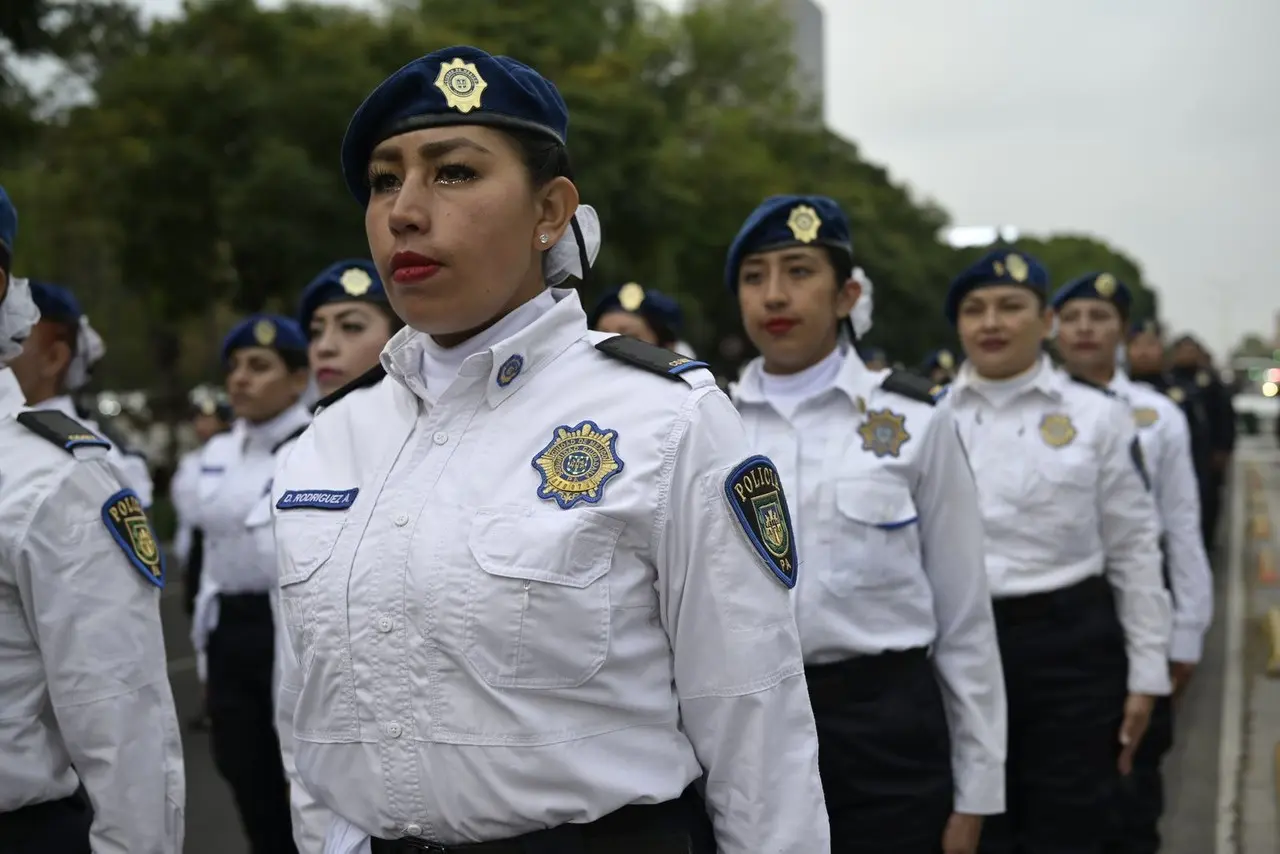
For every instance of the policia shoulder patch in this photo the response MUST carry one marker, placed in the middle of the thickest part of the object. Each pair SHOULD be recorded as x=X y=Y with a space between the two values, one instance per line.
x=67 y=433
x=128 y=525
x=913 y=386
x=754 y=490
x=653 y=359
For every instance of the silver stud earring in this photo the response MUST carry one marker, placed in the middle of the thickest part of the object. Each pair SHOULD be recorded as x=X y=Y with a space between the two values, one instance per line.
x=544 y=239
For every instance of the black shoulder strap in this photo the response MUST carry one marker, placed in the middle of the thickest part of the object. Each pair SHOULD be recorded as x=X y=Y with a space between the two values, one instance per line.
x=62 y=431
x=1091 y=384
x=912 y=385
x=653 y=359
x=371 y=377
x=287 y=439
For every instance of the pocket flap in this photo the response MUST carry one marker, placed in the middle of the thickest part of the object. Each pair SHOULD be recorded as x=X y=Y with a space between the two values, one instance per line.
x=304 y=542
x=572 y=548
x=879 y=503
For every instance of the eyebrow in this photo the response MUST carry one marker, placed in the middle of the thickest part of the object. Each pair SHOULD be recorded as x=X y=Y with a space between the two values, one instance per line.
x=386 y=153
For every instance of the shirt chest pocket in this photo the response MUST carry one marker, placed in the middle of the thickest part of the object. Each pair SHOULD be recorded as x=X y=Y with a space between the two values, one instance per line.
x=305 y=540
x=877 y=532
x=1062 y=475
x=538 y=606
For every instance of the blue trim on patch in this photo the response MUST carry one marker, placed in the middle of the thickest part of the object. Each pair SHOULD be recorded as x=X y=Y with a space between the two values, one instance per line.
x=582 y=497
x=87 y=443
x=212 y=469
x=940 y=395
x=318 y=499
x=128 y=547
x=788 y=581
x=893 y=526
x=687 y=366
x=514 y=365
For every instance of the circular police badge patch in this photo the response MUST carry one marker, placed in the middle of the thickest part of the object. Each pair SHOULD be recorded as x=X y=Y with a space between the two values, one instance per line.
x=1057 y=430
x=577 y=463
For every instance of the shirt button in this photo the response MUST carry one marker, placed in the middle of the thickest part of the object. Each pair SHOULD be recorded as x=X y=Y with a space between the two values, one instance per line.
x=413 y=830
x=384 y=624
x=402 y=520
x=440 y=438
x=394 y=729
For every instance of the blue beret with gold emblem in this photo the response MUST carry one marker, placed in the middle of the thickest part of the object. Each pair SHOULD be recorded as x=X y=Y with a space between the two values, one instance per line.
x=56 y=304
x=654 y=306
x=355 y=280
x=782 y=221
x=1101 y=286
x=274 y=331
x=998 y=267
x=8 y=230
x=455 y=86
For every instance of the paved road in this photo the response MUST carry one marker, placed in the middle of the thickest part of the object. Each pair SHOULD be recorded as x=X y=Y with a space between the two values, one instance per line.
x=1195 y=798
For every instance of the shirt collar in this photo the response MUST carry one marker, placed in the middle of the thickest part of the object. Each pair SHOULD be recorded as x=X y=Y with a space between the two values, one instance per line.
x=11 y=399
x=1048 y=380
x=268 y=434
x=854 y=380
x=1121 y=384
x=508 y=363
x=62 y=403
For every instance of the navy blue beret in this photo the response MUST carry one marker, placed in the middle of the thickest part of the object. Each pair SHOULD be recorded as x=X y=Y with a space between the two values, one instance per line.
x=279 y=333
x=56 y=304
x=8 y=229
x=1150 y=326
x=939 y=359
x=1102 y=286
x=998 y=267
x=456 y=86
x=782 y=221
x=653 y=306
x=355 y=280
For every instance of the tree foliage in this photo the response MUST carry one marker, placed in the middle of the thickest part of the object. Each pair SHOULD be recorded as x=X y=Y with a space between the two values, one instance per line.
x=201 y=178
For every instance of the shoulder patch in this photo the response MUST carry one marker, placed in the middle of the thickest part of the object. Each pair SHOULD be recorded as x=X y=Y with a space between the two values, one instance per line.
x=62 y=431
x=287 y=439
x=653 y=359
x=128 y=525
x=371 y=377
x=1091 y=384
x=754 y=490
x=912 y=385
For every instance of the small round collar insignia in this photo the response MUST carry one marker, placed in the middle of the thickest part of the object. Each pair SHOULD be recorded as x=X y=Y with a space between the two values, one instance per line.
x=1057 y=430
x=461 y=85
x=577 y=463
x=631 y=296
x=1105 y=285
x=510 y=369
x=1017 y=268
x=884 y=433
x=355 y=282
x=264 y=332
x=804 y=223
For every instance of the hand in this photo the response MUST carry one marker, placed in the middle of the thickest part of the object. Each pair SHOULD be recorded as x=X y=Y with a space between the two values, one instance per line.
x=1180 y=673
x=1137 y=714
x=962 y=834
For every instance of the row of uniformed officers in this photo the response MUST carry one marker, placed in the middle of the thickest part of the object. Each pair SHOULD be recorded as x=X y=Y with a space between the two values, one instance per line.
x=524 y=587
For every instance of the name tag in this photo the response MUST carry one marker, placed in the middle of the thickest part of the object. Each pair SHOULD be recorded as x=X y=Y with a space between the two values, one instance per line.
x=212 y=469
x=317 y=499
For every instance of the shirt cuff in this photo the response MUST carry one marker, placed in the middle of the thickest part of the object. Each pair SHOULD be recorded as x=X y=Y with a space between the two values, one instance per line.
x=1186 y=644
x=1149 y=676
x=979 y=789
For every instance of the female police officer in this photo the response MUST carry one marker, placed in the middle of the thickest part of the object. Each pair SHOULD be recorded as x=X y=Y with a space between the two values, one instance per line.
x=1071 y=539
x=640 y=312
x=535 y=581
x=894 y=616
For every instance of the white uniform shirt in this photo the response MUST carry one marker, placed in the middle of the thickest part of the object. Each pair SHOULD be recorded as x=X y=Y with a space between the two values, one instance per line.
x=477 y=663
x=132 y=467
x=1063 y=500
x=235 y=473
x=1166 y=446
x=83 y=678
x=890 y=539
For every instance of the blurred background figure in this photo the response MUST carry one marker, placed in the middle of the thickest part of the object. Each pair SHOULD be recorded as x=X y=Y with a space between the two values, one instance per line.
x=642 y=313
x=939 y=366
x=1193 y=373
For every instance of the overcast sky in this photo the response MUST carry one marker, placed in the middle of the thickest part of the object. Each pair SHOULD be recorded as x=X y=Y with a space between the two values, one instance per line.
x=1152 y=123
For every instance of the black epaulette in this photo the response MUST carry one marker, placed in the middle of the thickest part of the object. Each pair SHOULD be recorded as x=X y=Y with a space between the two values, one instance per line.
x=369 y=378
x=1091 y=384
x=67 y=433
x=654 y=359
x=912 y=385
x=287 y=439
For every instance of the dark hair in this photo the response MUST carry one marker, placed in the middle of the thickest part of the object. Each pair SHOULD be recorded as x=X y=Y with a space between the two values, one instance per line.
x=545 y=158
x=294 y=360
x=842 y=263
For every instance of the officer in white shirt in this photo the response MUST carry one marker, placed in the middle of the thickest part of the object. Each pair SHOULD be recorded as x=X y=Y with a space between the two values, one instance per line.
x=1093 y=315
x=91 y=758
x=265 y=357
x=535 y=577
x=894 y=615
x=1073 y=561
x=57 y=360
x=643 y=313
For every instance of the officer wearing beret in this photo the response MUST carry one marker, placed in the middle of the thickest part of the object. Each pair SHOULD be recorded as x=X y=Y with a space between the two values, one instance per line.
x=642 y=313
x=92 y=759
x=534 y=576
x=895 y=619
x=1072 y=555
x=939 y=366
x=1192 y=372
x=1093 y=312
x=57 y=360
x=345 y=314
x=265 y=357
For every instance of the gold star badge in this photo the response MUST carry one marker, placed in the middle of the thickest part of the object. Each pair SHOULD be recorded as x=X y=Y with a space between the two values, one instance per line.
x=355 y=281
x=1105 y=285
x=264 y=332
x=1017 y=268
x=804 y=223
x=461 y=85
x=631 y=296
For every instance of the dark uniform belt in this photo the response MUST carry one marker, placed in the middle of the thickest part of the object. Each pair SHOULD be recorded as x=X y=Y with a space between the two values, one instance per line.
x=61 y=825
x=683 y=822
x=1039 y=606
